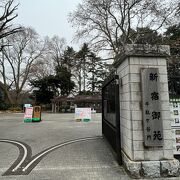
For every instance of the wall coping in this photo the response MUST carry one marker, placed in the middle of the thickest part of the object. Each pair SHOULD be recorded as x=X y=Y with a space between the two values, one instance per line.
x=141 y=50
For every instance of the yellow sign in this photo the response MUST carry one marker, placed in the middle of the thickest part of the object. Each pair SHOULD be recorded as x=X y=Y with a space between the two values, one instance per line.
x=37 y=112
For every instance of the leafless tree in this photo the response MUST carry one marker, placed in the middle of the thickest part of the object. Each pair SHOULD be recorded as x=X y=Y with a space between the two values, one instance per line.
x=42 y=68
x=8 y=13
x=110 y=24
x=56 y=47
x=17 y=59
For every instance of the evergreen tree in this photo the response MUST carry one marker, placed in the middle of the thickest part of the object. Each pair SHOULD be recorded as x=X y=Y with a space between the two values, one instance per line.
x=53 y=85
x=97 y=72
x=81 y=66
x=173 y=39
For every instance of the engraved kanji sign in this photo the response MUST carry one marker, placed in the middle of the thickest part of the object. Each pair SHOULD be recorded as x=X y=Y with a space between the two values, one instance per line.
x=152 y=115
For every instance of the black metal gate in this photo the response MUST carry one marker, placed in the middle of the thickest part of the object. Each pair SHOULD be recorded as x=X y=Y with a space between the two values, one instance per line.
x=111 y=114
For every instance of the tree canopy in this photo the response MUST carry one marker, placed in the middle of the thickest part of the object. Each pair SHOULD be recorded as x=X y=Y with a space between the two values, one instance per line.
x=109 y=24
x=53 y=85
x=16 y=60
x=53 y=68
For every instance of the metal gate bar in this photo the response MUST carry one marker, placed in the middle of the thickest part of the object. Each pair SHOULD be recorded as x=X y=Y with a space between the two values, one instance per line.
x=111 y=121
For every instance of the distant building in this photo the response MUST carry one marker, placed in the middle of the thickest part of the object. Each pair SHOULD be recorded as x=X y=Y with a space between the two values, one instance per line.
x=62 y=103
x=67 y=104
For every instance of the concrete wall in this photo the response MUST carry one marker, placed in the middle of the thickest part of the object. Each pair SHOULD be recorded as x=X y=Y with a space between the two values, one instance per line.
x=131 y=109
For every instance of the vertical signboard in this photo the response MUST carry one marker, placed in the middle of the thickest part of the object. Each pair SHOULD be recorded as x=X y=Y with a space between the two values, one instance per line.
x=152 y=120
x=83 y=114
x=175 y=124
x=37 y=113
x=28 y=114
x=26 y=106
x=175 y=112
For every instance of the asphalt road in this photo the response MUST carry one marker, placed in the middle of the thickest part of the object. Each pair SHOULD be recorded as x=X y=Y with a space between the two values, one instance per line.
x=56 y=148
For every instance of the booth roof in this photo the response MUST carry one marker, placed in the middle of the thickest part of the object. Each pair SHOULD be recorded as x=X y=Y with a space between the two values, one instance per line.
x=78 y=98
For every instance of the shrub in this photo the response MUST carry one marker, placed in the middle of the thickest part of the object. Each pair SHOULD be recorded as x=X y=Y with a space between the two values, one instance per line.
x=16 y=108
x=4 y=106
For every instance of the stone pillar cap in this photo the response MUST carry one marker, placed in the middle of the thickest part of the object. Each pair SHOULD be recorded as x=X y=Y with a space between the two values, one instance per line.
x=142 y=50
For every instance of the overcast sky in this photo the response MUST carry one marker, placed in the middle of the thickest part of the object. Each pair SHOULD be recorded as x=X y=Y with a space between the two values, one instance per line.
x=47 y=17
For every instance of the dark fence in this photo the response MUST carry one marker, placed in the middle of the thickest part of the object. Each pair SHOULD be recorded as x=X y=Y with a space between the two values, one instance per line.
x=111 y=114
x=174 y=86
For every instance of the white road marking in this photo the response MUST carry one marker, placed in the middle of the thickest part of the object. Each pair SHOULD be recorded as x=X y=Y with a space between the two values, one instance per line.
x=25 y=152
x=55 y=147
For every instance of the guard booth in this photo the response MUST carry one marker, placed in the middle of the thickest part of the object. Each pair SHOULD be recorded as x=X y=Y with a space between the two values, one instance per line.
x=111 y=114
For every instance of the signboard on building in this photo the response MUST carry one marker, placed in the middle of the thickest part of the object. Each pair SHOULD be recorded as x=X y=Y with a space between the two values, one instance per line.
x=152 y=120
x=175 y=124
x=82 y=114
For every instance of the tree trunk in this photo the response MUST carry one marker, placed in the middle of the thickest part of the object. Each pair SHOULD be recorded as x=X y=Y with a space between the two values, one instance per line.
x=79 y=82
x=93 y=83
x=8 y=96
x=84 y=75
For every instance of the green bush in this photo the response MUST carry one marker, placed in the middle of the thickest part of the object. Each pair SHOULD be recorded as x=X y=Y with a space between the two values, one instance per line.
x=64 y=108
x=16 y=108
x=4 y=106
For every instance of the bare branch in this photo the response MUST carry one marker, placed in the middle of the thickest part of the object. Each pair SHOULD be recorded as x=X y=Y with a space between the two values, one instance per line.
x=9 y=14
x=22 y=52
x=109 y=23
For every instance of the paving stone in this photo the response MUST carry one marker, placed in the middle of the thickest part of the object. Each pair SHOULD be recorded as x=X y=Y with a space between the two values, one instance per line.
x=87 y=160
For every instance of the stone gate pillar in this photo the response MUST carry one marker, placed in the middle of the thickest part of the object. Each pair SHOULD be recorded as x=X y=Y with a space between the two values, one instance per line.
x=141 y=158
